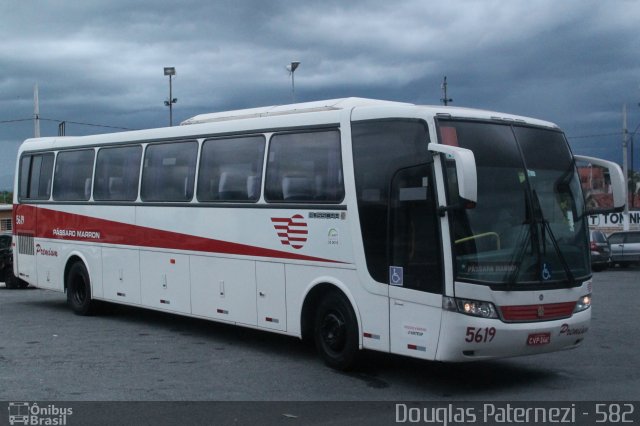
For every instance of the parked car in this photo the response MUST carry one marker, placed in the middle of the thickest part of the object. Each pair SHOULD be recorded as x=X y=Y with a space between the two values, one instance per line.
x=625 y=247
x=6 y=263
x=600 y=250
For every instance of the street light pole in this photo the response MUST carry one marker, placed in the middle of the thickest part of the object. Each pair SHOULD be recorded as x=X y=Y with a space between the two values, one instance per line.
x=170 y=71
x=36 y=112
x=633 y=175
x=445 y=99
x=292 y=67
x=625 y=166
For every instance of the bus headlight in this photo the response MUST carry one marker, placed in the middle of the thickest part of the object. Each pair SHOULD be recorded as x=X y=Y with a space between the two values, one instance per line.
x=474 y=308
x=583 y=303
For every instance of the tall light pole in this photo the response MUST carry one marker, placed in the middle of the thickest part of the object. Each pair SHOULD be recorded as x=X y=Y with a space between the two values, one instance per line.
x=170 y=71
x=36 y=112
x=625 y=166
x=445 y=99
x=632 y=167
x=291 y=68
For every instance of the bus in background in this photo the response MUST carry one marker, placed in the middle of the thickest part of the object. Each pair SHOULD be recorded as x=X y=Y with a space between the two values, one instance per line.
x=438 y=233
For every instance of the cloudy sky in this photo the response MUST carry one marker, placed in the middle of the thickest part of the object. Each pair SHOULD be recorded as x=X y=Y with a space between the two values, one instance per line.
x=574 y=62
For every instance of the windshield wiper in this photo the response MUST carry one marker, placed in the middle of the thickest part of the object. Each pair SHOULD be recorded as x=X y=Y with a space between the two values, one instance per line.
x=537 y=238
x=519 y=257
x=539 y=218
x=530 y=234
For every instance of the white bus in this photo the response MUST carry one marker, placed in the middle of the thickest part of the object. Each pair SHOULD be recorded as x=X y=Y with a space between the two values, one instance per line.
x=434 y=232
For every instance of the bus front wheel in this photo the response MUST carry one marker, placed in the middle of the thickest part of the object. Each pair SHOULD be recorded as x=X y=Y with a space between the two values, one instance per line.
x=336 y=332
x=79 y=290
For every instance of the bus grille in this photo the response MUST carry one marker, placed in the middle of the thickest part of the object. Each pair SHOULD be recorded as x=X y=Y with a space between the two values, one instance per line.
x=546 y=312
x=25 y=244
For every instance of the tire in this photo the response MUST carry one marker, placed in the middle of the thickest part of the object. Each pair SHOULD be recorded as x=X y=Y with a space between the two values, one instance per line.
x=10 y=280
x=336 y=332
x=79 y=290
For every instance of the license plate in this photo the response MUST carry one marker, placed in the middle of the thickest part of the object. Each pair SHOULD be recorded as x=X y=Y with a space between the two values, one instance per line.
x=538 y=339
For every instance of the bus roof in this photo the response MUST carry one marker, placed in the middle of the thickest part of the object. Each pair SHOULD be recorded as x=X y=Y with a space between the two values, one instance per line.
x=300 y=108
x=350 y=103
x=276 y=116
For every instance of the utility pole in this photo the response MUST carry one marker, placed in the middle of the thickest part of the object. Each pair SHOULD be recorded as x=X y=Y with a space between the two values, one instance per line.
x=625 y=166
x=36 y=112
x=170 y=71
x=445 y=100
x=291 y=68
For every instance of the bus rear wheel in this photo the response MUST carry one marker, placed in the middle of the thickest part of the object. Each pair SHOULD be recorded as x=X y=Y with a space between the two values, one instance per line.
x=336 y=332
x=10 y=280
x=79 y=290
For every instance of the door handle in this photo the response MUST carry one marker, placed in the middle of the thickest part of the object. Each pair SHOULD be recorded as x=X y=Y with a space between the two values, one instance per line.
x=397 y=303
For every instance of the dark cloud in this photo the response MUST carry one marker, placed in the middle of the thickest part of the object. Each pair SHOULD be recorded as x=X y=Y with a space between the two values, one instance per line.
x=573 y=62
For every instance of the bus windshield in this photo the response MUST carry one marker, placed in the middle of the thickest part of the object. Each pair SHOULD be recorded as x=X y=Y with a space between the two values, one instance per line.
x=528 y=226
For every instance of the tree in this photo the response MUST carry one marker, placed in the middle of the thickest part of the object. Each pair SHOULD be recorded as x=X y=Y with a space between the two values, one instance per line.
x=6 y=197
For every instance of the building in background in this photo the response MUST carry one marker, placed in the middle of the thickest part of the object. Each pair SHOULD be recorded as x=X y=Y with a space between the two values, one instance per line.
x=5 y=217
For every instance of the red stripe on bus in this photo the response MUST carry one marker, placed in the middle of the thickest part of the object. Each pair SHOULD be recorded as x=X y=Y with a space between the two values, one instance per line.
x=76 y=227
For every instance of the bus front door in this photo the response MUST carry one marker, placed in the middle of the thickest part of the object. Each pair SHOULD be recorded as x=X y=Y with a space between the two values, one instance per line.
x=415 y=270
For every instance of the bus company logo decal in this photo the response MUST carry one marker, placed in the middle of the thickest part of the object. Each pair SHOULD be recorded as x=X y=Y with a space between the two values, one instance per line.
x=46 y=252
x=567 y=330
x=76 y=234
x=32 y=414
x=291 y=230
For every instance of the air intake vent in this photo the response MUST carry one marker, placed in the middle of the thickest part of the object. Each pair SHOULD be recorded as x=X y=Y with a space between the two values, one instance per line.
x=547 y=312
x=25 y=244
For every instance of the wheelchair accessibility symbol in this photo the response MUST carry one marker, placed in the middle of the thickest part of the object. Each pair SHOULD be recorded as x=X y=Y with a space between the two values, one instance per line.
x=546 y=272
x=396 y=275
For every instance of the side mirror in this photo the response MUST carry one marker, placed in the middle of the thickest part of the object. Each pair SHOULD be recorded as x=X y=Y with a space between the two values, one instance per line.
x=598 y=190
x=465 y=169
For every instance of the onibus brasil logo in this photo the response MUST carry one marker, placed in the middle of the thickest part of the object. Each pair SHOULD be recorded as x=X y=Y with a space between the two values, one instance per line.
x=26 y=413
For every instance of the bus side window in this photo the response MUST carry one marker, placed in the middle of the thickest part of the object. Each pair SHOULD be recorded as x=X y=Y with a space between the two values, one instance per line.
x=169 y=171
x=231 y=169
x=73 y=174
x=35 y=176
x=117 y=173
x=305 y=167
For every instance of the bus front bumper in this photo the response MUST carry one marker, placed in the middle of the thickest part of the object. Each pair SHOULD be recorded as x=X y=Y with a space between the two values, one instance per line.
x=468 y=338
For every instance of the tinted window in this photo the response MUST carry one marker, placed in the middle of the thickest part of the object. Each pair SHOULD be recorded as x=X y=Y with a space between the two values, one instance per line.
x=528 y=196
x=305 y=167
x=117 y=173
x=169 y=172
x=633 y=238
x=35 y=176
x=74 y=170
x=380 y=150
x=5 y=241
x=616 y=238
x=231 y=169
x=415 y=237
x=25 y=165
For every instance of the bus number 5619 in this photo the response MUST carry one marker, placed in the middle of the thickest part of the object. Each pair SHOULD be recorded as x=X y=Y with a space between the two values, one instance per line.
x=480 y=335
